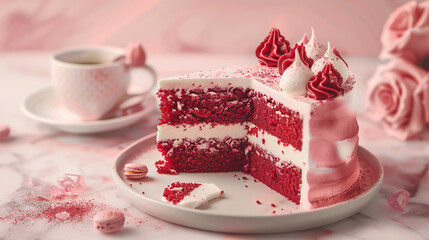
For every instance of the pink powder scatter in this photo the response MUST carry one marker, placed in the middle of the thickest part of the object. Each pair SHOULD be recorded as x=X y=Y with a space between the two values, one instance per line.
x=399 y=200
x=59 y=211
x=70 y=185
x=76 y=210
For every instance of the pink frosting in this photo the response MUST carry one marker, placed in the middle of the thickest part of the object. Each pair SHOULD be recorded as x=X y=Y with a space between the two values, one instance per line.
x=135 y=55
x=398 y=97
x=405 y=33
x=333 y=129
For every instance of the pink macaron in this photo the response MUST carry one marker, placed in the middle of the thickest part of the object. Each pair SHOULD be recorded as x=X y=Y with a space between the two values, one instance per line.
x=4 y=132
x=135 y=170
x=109 y=221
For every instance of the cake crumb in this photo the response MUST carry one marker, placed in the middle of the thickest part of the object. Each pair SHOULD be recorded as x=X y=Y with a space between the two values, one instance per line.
x=273 y=205
x=258 y=202
x=246 y=186
x=245 y=178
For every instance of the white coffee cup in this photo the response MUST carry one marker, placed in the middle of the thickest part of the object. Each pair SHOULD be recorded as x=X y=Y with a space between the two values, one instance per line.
x=90 y=82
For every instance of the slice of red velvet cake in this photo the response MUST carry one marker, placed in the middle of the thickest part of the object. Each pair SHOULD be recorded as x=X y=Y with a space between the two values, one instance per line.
x=284 y=121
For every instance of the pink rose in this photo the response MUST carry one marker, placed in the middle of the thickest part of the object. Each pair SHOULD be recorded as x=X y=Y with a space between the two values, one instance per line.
x=406 y=33
x=395 y=96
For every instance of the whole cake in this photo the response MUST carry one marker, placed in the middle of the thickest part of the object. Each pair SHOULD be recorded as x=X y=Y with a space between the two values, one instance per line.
x=284 y=121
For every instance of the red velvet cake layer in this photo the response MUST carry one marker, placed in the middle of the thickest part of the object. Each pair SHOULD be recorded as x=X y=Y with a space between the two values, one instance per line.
x=284 y=179
x=205 y=155
x=287 y=126
x=216 y=105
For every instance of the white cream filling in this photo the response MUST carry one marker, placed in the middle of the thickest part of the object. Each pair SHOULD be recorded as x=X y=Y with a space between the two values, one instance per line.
x=193 y=132
x=271 y=143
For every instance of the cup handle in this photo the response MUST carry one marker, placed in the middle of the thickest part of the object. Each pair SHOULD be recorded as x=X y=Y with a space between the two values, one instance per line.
x=131 y=100
x=154 y=82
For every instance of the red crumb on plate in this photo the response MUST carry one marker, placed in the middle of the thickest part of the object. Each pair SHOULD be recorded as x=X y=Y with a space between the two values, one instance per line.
x=175 y=192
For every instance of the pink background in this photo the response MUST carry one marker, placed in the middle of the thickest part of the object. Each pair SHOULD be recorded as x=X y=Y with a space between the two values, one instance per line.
x=222 y=26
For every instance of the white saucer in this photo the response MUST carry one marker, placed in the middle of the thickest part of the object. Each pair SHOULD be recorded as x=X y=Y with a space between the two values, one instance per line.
x=237 y=211
x=42 y=107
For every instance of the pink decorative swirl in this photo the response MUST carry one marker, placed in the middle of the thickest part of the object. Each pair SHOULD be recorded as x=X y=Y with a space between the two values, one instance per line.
x=272 y=48
x=287 y=59
x=327 y=84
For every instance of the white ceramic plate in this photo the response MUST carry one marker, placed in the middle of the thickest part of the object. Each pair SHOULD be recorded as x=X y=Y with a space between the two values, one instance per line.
x=237 y=211
x=42 y=107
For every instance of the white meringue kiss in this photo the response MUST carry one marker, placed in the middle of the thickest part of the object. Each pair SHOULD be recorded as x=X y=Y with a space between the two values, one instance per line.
x=333 y=59
x=313 y=48
x=294 y=79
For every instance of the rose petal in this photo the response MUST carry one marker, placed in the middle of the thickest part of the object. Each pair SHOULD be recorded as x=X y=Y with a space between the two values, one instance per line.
x=68 y=186
x=399 y=200
x=79 y=181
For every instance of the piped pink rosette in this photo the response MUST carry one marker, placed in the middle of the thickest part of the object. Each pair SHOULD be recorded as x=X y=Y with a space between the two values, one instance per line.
x=327 y=84
x=272 y=48
x=308 y=69
x=398 y=92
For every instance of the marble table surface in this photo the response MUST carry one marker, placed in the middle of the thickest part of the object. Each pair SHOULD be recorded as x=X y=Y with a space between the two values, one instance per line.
x=36 y=155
